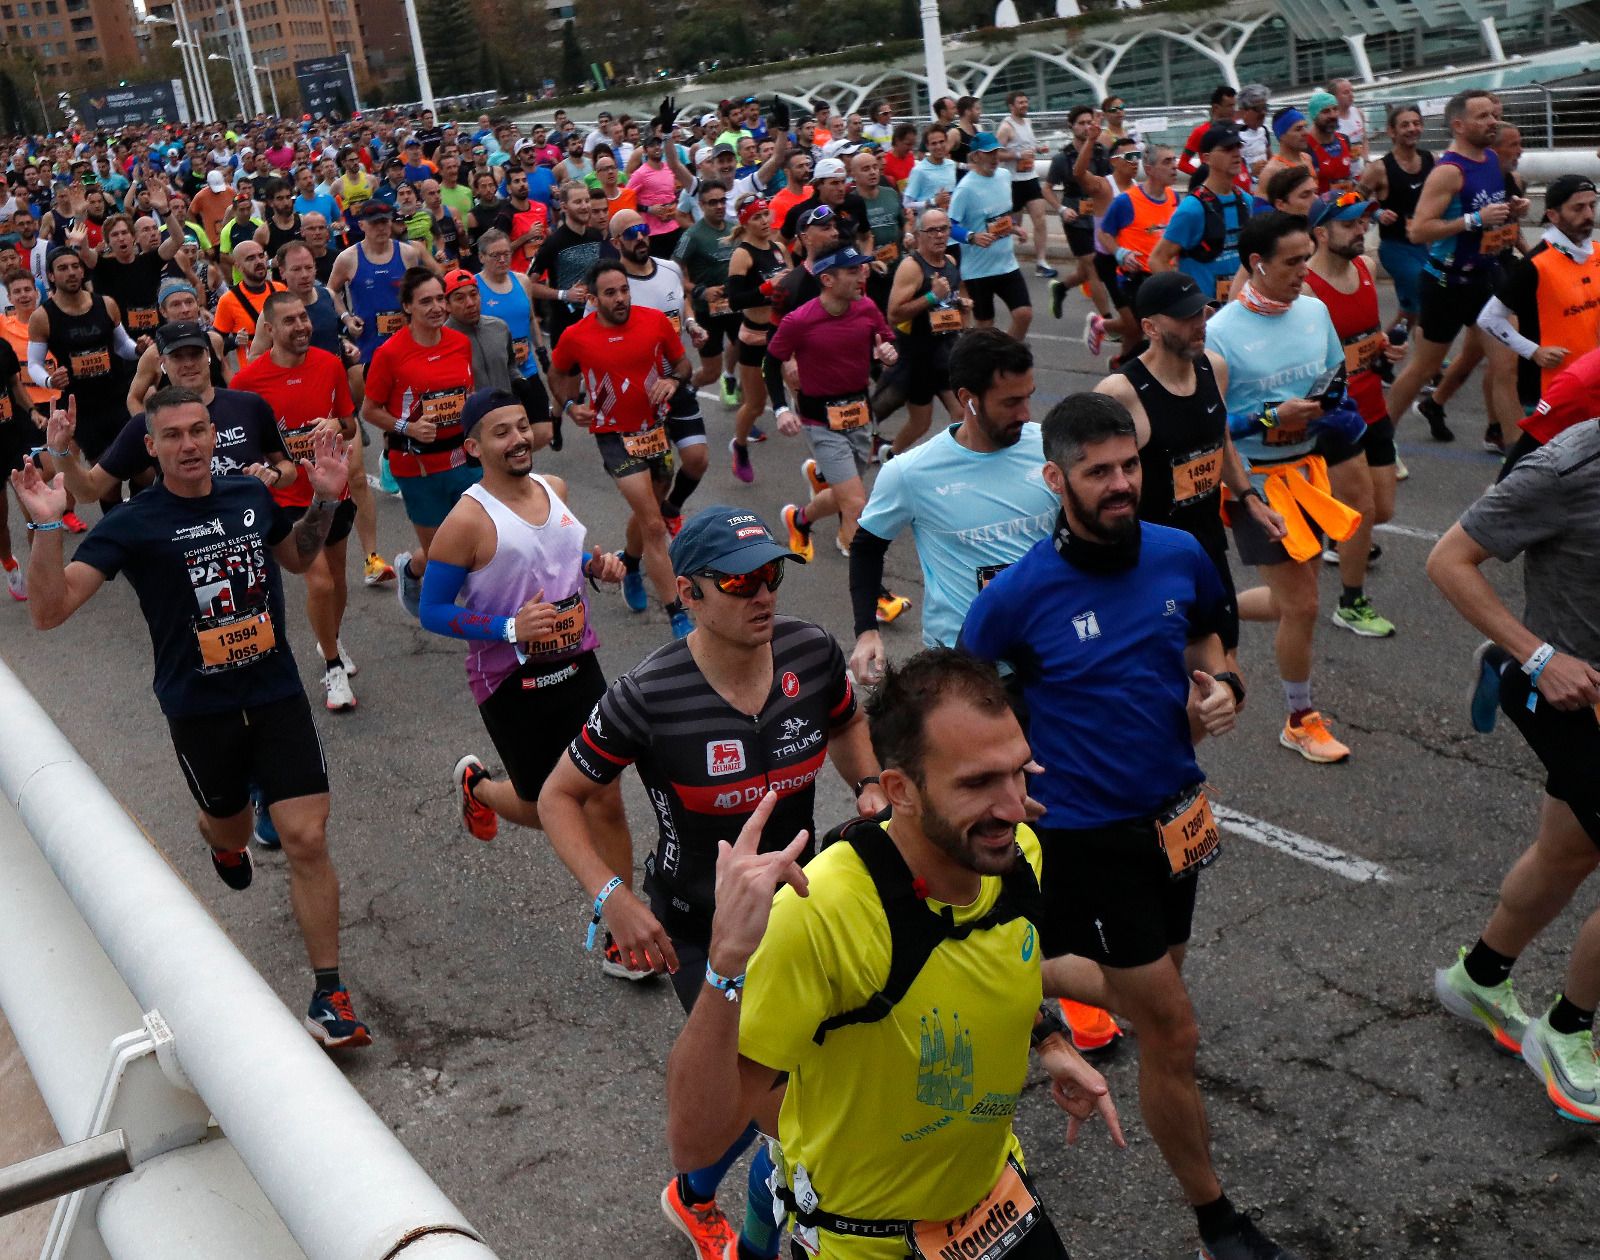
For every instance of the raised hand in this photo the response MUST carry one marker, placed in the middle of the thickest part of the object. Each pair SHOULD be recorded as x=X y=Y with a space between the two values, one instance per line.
x=328 y=469
x=747 y=880
x=42 y=500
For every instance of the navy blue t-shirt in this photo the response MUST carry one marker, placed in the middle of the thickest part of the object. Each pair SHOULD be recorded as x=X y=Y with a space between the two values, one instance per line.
x=210 y=591
x=247 y=433
x=1100 y=659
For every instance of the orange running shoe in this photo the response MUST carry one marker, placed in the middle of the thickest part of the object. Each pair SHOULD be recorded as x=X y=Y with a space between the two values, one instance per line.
x=476 y=817
x=813 y=478
x=1311 y=738
x=703 y=1224
x=890 y=606
x=799 y=535
x=1092 y=1028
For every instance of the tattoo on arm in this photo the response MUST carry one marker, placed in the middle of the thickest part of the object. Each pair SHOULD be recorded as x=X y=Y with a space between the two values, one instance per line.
x=311 y=531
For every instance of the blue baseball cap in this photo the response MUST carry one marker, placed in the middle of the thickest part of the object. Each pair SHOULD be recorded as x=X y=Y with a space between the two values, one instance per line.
x=849 y=256
x=725 y=539
x=1341 y=206
x=480 y=403
x=984 y=142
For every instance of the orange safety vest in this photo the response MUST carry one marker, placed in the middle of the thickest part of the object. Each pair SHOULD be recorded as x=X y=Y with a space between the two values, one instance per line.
x=1569 y=306
x=1150 y=219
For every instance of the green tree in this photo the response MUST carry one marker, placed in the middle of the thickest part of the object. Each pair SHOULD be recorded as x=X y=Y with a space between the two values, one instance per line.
x=574 y=65
x=451 y=38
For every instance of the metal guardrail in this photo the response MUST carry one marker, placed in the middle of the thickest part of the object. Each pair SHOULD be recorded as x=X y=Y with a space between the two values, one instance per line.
x=135 y=1012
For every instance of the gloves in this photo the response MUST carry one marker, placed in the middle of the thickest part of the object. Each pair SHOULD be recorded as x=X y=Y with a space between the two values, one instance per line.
x=1346 y=422
x=666 y=114
x=778 y=119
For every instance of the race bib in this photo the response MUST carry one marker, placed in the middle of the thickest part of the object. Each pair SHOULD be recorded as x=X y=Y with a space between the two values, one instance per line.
x=390 y=322
x=676 y=320
x=444 y=408
x=89 y=363
x=1497 y=239
x=298 y=442
x=718 y=309
x=847 y=414
x=1187 y=833
x=988 y=572
x=1086 y=207
x=945 y=319
x=887 y=253
x=1194 y=477
x=1282 y=434
x=519 y=349
x=992 y=1229
x=1361 y=353
x=1224 y=288
x=1000 y=226
x=143 y=318
x=235 y=641
x=566 y=634
x=650 y=444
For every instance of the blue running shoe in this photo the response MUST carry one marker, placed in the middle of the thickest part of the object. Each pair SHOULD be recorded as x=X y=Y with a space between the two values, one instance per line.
x=386 y=481
x=633 y=590
x=682 y=626
x=408 y=589
x=1487 y=663
x=266 y=835
x=332 y=1021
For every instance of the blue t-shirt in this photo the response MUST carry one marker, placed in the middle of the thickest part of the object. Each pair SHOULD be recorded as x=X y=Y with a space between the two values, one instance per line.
x=970 y=513
x=929 y=179
x=210 y=591
x=541 y=188
x=1271 y=359
x=320 y=203
x=976 y=203
x=1101 y=661
x=1187 y=228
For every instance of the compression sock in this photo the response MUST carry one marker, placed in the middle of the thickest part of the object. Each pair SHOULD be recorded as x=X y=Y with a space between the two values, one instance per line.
x=729 y=382
x=327 y=979
x=1351 y=595
x=683 y=485
x=630 y=563
x=1297 y=696
x=333 y=662
x=1487 y=967
x=1567 y=1018
x=1214 y=1217
x=758 y=1240
x=700 y=1186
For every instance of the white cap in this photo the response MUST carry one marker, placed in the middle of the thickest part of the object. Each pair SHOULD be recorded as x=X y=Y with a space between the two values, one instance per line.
x=828 y=168
x=707 y=119
x=521 y=145
x=215 y=182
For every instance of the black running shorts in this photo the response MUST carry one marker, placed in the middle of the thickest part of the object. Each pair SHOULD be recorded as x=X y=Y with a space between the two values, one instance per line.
x=273 y=746
x=532 y=716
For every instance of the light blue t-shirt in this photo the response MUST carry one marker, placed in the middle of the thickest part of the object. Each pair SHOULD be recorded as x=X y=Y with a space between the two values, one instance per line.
x=1187 y=227
x=977 y=201
x=321 y=204
x=928 y=180
x=1271 y=359
x=971 y=514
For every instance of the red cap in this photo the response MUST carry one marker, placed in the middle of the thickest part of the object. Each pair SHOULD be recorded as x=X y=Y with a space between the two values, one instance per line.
x=457 y=279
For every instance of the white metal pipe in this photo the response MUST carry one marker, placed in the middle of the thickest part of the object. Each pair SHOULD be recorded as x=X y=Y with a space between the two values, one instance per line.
x=933 y=53
x=197 y=51
x=358 y=1198
x=246 y=56
x=419 y=54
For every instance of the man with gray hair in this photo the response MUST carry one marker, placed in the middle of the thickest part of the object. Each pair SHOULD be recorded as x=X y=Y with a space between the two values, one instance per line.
x=1255 y=136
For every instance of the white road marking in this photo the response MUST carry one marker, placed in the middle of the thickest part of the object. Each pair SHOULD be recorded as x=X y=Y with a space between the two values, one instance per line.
x=1303 y=847
x=1427 y=535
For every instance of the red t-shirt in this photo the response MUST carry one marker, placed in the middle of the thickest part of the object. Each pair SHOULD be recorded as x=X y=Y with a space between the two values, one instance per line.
x=898 y=169
x=299 y=397
x=1571 y=398
x=522 y=221
x=619 y=366
x=414 y=382
x=1189 y=159
x=1360 y=328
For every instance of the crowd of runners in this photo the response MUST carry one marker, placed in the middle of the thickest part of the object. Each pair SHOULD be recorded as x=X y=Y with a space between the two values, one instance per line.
x=242 y=342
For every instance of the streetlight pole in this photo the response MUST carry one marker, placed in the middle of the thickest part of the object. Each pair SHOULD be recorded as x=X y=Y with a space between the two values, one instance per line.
x=208 y=103
x=238 y=88
x=247 y=56
x=276 y=112
x=933 y=52
x=419 y=55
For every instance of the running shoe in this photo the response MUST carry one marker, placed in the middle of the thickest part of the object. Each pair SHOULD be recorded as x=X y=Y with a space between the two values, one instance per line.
x=1494 y=1007
x=730 y=392
x=336 y=689
x=386 y=481
x=1094 y=332
x=377 y=571
x=1494 y=440
x=408 y=588
x=1242 y=1240
x=234 y=869
x=344 y=659
x=703 y=1224
x=73 y=522
x=1565 y=1062
x=633 y=592
x=742 y=468
x=479 y=820
x=16 y=581
x=331 y=1021
x=799 y=536
x=757 y=433
x=839 y=543
x=263 y=831
x=1330 y=553
x=814 y=477
x=890 y=606
x=1044 y=271
x=1401 y=472
x=613 y=964
x=1362 y=618
x=1058 y=295
x=1093 y=1030
x=682 y=624
x=1433 y=413
x=1311 y=738
x=1488 y=661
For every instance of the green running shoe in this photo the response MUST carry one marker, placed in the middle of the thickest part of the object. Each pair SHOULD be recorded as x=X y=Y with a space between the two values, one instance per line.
x=730 y=392
x=1565 y=1062
x=1497 y=1008
x=1362 y=618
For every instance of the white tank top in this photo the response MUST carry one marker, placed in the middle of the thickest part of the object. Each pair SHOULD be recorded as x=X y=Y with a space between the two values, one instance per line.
x=1022 y=138
x=662 y=290
x=528 y=559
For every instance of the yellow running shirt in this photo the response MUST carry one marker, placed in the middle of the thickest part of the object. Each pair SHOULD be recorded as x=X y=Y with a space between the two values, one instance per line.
x=909 y=1117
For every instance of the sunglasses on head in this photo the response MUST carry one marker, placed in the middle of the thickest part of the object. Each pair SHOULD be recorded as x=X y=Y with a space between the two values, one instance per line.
x=820 y=214
x=747 y=585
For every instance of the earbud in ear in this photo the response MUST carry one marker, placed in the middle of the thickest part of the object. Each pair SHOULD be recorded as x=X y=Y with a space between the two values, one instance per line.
x=1261 y=269
x=971 y=408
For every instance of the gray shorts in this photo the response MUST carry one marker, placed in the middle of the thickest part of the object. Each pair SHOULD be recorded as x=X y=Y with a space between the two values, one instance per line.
x=1251 y=541
x=840 y=456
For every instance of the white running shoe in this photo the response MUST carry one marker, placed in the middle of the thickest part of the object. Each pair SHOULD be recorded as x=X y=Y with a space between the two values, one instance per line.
x=336 y=683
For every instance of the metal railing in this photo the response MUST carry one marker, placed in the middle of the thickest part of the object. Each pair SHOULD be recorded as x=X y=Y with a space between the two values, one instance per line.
x=136 y=1013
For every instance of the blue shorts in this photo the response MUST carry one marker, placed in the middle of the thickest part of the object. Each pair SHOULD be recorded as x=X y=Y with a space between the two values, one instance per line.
x=1403 y=261
x=429 y=498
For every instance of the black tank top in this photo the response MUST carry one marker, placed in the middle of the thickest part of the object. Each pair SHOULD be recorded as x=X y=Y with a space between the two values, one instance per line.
x=82 y=345
x=278 y=237
x=764 y=264
x=1404 y=189
x=922 y=325
x=1182 y=461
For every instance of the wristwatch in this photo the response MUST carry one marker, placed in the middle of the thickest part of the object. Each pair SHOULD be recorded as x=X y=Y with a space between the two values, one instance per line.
x=1050 y=1022
x=1235 y=684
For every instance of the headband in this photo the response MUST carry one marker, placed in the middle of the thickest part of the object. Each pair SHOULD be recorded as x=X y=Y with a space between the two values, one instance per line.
x=1286 y=120
x=751 y=208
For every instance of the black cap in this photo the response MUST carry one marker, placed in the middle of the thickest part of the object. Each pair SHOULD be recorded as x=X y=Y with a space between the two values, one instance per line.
x=725 y=539
x=480 y=403
x=376 y=208
x=1219 y=136
x=176 y=336
x=1563 y=188
x=1169 y=293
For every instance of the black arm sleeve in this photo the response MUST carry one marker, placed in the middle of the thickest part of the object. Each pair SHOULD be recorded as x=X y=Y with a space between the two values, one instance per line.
x=866 y=578
x=744 y=291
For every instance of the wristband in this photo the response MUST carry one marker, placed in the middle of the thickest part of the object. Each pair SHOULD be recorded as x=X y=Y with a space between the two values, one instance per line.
x=1534 y=665
x=561 y=295
x=729 y=986
x=326 y=505
x=508 y=630
x=400 y=426
x=1474 y=222
x=932 y=301
x=1248 y=491
x=43 y=527
x=599 y=901
x=1269 y=416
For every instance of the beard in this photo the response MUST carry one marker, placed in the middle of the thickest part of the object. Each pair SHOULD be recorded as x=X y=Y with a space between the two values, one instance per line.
x=1183 y=347
x=1092 y=520
x=965 y=847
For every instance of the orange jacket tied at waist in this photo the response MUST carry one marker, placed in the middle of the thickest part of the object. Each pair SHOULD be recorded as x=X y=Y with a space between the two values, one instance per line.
x=1299 y=492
